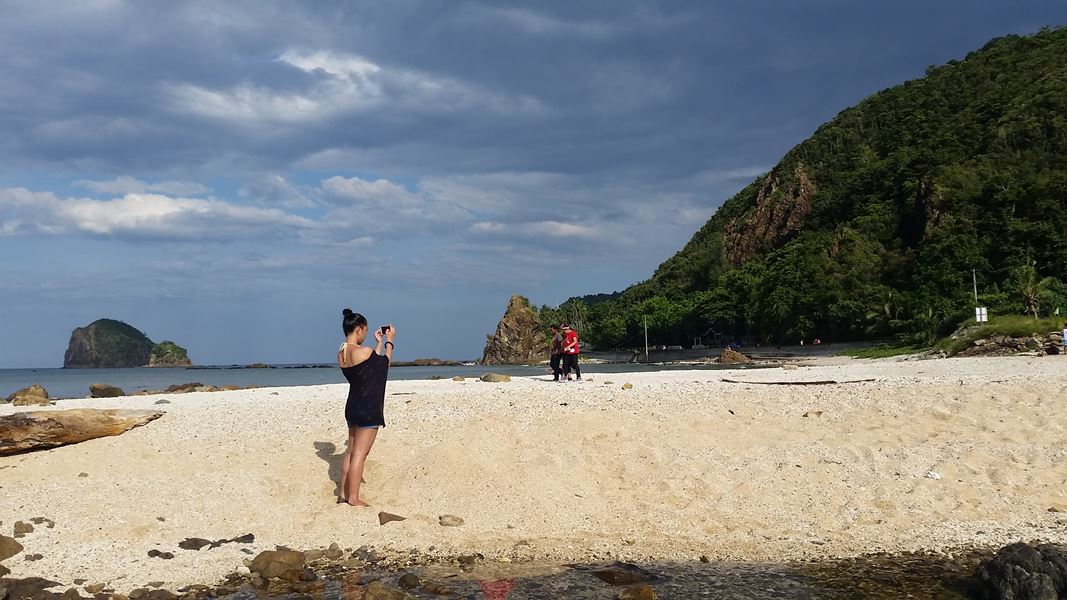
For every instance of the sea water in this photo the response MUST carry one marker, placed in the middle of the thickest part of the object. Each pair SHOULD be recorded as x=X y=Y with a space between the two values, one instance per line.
x=74 y=383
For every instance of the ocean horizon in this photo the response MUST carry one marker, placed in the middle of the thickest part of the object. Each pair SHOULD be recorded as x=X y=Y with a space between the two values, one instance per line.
x=63 y=383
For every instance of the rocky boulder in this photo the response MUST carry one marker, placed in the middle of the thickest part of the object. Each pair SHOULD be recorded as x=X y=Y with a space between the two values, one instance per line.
x=8 y=547
x=1004 y=345
x=1023 y=572
x=519 y=339
x=733 y=357
x=107 y=343
x=33 y=395
x=169 y=354
x=39 y=430
x=103 y=390
x=284 y=564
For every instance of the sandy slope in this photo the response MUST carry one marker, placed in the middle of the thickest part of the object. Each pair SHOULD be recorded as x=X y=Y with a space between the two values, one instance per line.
x=682 y=465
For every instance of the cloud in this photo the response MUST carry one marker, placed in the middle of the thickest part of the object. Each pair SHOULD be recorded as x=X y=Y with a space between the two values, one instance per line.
x=131 y=185
x=539 y=23
x=141 y=217
x=382 y=205
x=274 y=190
x=340 y=84
x=553 y=229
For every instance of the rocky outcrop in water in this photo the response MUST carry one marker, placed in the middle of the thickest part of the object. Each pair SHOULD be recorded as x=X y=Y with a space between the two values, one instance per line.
x=519 y=339
x=107 y=343
x=40 y=430
x=168 y=354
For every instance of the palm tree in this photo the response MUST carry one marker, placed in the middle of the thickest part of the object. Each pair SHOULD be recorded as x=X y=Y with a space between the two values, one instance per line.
x=1031 y=287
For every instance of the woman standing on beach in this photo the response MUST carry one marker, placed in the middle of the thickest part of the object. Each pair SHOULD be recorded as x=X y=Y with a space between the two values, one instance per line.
x=366 y=371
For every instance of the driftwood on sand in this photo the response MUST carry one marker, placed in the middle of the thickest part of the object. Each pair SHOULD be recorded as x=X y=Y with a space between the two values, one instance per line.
x=40 y=430
x=823 y=382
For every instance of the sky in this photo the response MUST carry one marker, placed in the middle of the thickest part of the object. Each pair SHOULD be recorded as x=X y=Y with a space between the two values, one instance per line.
x=231 y=175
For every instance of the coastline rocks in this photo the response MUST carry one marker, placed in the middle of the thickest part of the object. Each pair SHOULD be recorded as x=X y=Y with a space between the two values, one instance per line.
x=283 y=564
x=31 y=396
x=494 y=378
x=1004 y=345
x=1023 y=572
x=26 y=431
x=519 y=339
x=169 y=354
x=103 y=390
x=425 y=362
x=733 y=357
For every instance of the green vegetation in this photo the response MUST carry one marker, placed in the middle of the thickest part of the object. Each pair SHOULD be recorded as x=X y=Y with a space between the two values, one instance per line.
x=1015 y=326
x=882 y=351
x=169 y=352
x=115 y=338
x=872 y=226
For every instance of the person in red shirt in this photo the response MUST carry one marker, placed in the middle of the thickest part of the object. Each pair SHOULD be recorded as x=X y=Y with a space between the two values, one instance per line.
x=570 y=353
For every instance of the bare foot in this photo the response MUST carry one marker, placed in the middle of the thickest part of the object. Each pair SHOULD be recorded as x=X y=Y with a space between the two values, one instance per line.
x=358 y=503
x=341 y=500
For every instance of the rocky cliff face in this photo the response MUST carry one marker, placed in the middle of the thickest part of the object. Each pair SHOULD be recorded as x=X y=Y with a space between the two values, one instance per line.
x=779 y=213
x=518 y=339
x=107 y=343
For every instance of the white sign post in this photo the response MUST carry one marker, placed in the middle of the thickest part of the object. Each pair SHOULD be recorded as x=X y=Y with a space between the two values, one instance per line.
x=981 y=314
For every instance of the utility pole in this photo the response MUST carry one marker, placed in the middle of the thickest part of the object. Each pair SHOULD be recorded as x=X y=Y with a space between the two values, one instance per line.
x=974 y=277
x=646 y=339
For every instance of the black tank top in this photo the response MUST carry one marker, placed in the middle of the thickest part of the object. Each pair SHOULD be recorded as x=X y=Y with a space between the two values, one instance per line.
x=366 y=391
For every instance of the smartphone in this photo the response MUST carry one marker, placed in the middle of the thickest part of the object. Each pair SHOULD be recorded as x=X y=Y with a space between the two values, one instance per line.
x=384 y=329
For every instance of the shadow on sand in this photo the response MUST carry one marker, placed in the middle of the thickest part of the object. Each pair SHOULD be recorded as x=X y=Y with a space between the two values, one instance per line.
x=327 y=451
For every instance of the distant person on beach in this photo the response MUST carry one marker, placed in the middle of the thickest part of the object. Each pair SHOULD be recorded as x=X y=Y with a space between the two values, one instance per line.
x=366 y=371
x=570 y=353
x=1063 y=340
x=556 y=353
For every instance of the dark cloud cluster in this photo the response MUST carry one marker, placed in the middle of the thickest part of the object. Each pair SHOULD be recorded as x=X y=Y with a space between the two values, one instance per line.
x=458 y=142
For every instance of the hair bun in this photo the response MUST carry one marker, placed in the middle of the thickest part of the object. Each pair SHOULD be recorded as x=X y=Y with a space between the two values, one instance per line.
x=347 y=312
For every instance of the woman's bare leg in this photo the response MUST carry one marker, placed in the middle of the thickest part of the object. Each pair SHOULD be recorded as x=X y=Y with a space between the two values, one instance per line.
x=358 y=449
x=345 y=459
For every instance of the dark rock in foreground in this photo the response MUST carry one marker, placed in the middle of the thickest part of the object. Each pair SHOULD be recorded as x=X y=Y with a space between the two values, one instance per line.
x=40 y=430
x=284 y=564
x=8 y=547
x=1023 y=572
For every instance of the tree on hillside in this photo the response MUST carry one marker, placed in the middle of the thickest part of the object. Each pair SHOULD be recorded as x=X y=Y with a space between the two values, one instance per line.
x=1031 y=287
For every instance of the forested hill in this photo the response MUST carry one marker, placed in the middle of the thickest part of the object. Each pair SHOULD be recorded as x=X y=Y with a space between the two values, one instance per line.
x=872 y=226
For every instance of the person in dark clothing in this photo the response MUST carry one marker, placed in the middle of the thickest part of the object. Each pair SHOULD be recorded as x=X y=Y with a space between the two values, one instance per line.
x=366 y=371
x=556 y=353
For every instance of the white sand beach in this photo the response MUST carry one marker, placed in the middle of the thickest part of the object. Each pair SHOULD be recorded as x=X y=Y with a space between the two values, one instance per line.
x=930 y=455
